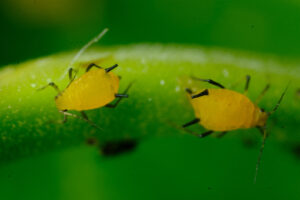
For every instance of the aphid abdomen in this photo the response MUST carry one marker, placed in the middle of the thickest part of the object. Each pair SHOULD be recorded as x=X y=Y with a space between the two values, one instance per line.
x=224 y=110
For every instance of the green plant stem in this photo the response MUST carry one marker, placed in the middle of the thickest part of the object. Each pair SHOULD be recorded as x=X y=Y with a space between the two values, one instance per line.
x=156 y=97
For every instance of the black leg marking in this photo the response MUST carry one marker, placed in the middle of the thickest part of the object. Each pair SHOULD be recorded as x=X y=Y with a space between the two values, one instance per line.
x=205 y=134
x=194 y=121
x=262 y=93
x=189 y=131
x=120 y=97
x=115 y=148
x=203 y=93
x=209 y=81
x=188 y=90
x=111 y=105
x=111 y=68
x=92 y=65
x=248 y=78
x=71 y=77
x=52 y=85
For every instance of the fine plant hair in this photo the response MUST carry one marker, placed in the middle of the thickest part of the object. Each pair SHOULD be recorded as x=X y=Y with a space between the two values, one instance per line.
x=83 y=49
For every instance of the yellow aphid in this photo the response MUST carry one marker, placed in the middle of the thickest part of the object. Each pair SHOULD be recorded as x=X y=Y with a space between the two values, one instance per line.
x=222 y=110
x=94 y=89
x=225 y=110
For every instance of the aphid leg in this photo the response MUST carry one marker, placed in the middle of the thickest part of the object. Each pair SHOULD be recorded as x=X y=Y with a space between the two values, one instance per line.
x=92 y=65
x=120 y=97
x=111 y=68
x=202 y=135
x=52 y=85
x=222 y=134
x=203 y=93
x=85 y=117
x=209 y=81
x=263 y=130
x=183 y=127
x=71 y=77
x=248 y=78
x=263 y=92
x=113 y=105
x=194 y=121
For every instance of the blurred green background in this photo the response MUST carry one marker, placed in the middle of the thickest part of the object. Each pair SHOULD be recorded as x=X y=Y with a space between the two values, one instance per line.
x=33 y=28
x=161 y=168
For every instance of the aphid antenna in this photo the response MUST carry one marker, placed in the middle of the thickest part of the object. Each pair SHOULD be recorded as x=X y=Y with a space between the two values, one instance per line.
x=264 y=131
x=279 y=101
x=83 y=49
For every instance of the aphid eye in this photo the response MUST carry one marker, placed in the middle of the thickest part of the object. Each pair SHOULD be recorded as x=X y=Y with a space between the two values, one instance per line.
x=262 y=110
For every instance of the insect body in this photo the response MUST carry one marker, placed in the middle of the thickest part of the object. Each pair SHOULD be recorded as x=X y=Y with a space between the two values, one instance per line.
x=94 y=89
x=225 y=110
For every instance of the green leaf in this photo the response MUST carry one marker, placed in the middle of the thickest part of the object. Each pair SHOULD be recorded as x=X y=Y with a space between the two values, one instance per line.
x=156 y=97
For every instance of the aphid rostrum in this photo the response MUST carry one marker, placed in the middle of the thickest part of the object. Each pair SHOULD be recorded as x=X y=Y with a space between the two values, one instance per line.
x=223 y=110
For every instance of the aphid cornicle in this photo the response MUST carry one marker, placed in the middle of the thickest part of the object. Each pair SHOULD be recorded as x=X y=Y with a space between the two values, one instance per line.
x=222 y=110
x=94 y=89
